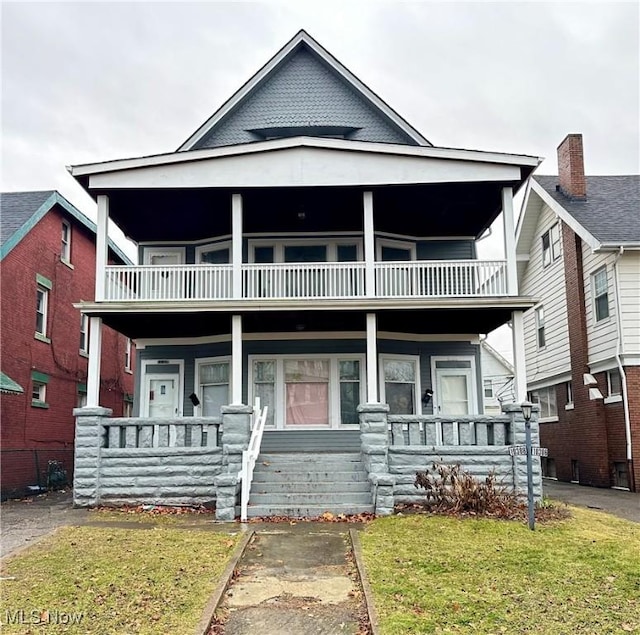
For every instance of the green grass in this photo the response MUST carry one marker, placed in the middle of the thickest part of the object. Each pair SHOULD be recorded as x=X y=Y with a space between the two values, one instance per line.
x=119 y=580
x=434 y=574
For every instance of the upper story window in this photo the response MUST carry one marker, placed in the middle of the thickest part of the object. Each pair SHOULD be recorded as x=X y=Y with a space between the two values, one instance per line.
x=65 y=246
x=600 y=288
x=540 y=332
x=42 y=306
x=84 y=333
x=551 y=245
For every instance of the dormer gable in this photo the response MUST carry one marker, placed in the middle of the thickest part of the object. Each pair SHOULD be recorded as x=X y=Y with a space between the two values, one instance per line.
x=303 y=91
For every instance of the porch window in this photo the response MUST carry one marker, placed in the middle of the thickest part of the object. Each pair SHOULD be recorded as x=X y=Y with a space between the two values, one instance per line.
x=264 y=382
x=214 y=387
x=400 y=386
x=219 y=254
x=349 y=391
x=306 y=391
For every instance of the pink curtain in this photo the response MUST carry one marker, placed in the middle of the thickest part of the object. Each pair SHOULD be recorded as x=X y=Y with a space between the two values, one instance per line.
x=308 y=404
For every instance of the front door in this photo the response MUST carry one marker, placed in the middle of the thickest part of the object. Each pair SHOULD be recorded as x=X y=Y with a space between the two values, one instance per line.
x=454 y=388
x=162 y=396
x=164 y=283
x=306 y=385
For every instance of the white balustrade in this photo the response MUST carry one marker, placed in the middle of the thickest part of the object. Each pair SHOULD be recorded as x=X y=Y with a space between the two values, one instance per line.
x=331 y=280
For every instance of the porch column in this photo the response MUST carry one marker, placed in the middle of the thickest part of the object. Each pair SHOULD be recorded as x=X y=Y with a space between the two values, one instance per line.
x=509 y=240
x=95 y=353
x=372 y=359
x=519 y=365
x=236 y=244
x=102 y=245
x=236 y=360
x=369 y=246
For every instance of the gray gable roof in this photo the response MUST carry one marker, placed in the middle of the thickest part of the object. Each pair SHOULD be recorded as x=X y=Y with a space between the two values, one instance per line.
x=303 y=91
x=21 y=211
x=611 y=212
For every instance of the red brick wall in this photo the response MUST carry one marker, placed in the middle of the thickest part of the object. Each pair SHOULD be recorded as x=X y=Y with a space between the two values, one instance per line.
x=24 y=426
x=633 y=393
x=571 y=166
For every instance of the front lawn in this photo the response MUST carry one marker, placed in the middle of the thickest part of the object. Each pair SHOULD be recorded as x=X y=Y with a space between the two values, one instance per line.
x=104 y=580
x=434 y=574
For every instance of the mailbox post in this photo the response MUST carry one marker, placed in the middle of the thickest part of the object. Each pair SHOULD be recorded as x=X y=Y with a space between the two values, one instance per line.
x=526 y=413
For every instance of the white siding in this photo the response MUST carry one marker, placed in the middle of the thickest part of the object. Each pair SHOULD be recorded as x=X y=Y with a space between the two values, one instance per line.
x=601 y=336
x=548 y=285
x=629 y=282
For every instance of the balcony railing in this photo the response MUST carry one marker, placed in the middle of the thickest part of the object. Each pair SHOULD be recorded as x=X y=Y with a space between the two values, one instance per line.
x=301 y=281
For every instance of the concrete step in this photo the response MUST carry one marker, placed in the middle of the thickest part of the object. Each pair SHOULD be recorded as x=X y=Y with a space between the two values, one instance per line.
x=310 y=511
x=327 y=499
x=311 y=457
x=326 y=476
x=303 y=467
x=309 y=487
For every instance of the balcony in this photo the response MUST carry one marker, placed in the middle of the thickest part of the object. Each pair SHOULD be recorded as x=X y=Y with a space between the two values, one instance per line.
x=307 y=281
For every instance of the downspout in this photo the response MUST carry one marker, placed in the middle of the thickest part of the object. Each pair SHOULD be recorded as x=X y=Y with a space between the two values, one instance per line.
x=623 y=376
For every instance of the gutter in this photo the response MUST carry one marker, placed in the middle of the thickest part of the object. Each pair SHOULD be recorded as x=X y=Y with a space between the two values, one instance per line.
x=623 y=376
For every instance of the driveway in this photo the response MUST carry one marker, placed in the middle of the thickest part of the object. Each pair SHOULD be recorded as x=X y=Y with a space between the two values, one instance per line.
x=24 y=522
x=617 y=502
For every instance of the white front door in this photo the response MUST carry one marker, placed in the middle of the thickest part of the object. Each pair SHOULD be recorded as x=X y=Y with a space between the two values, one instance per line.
x=162 y=396
x=164 y=283
x=454 y=387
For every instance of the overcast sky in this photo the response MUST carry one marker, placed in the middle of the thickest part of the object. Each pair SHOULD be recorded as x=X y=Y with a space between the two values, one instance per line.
x=92 y=81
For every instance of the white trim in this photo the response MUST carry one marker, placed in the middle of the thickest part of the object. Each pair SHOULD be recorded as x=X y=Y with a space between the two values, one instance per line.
x=148 y=252
x=236 y=359
x=302 y=37
x=102 y=246
x=509 y=240
x=203 y=361
x=369 y=245
x=144 y=401
x=473 y=397
x=549 y=381
x=84 y=321
x=372 y=358
x=394 y=244
x=571 y=406
x=519 y=356
x=334 y=386
x=211 y=246
x=236 y=244
x=550 y=420
x=613 y=399
x=383 y=357
x=369 y=147
x=142 y=343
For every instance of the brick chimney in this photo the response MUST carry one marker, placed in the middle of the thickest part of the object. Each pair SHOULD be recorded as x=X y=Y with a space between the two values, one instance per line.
x=571 y=167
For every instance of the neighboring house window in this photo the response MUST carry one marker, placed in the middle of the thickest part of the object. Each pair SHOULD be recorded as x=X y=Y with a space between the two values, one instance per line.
x=39 y=389
x=214 y=387
x=127 y=354
x=488 y=389
x=84 y=334
x=540 y=327
x=551 y=245
x=65 y=247
x=569 y=386
x=600 y=288
x=400 y=385
x=614 y=383
x=42 y=302
x=546 y=399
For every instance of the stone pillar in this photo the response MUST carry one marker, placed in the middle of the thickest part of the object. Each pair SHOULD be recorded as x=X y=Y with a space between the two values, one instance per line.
x=90 y=439
x=236 y=432
x=383 y=486
x=374 y=437
x=519 y=461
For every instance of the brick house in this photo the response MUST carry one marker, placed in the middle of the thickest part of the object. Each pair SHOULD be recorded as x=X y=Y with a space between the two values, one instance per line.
x=578 y=246
x=48 y=262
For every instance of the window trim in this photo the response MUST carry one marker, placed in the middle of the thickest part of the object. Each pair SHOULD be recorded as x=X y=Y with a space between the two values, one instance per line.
x=213 y=246
x=84 y=334
x=554 y=248
x=279 y=244
x=42 y=335
x=540 y=328
x=417 y=406
x=66 y=246
x=490 y=388
x=334 y=385
x=602 y=320
x=203 y=361
x=128 y=349
x=395 y=244
x=149 y=252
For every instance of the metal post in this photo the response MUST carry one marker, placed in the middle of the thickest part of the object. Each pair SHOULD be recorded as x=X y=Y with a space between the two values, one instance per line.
x=527 y=430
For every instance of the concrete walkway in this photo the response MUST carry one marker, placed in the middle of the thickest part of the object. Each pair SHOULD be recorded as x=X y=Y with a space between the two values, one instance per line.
x=617 y=502
x=296 y=579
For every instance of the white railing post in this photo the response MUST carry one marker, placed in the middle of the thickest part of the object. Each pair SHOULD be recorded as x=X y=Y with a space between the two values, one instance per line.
x=249 y=457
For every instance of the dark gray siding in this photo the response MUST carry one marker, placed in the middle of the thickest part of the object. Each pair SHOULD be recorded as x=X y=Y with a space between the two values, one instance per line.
x=298 y=347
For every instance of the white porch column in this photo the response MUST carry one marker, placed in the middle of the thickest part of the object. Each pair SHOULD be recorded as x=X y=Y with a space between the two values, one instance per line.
x=519 y=364
x=369 y=246
x=236 y=360
x=372 y=359
x=236 y=244
x=95 y=354
x=509 y=240
x=102 y=245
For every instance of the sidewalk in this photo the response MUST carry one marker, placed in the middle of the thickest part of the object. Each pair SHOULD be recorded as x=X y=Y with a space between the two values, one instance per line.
x=296 y=579
x=617 y=502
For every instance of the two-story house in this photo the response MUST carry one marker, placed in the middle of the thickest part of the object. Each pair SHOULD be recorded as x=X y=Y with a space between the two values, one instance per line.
x=48 y=264
x=308 y=246
x=578 y=247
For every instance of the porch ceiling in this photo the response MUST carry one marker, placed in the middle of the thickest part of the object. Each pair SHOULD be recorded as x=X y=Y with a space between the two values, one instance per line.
x=426 y=210
x=145 y=324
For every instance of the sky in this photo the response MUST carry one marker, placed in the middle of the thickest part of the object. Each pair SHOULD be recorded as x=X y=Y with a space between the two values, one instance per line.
x=92 y=81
